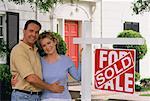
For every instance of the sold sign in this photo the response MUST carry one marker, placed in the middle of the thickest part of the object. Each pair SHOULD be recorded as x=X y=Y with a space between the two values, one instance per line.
x=114 y=70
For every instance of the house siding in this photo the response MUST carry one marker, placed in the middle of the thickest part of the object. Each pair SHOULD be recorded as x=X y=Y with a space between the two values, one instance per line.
x=114 y=14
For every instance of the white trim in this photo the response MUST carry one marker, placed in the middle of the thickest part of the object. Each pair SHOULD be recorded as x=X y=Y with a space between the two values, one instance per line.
x=88 y=0
x=5 y=5
x=131 y=41
x=63 y=28
x=2 y=12
x=1 y=37
x=63 y=6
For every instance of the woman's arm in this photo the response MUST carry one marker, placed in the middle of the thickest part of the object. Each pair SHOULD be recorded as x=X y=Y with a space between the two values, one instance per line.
x=75 y=72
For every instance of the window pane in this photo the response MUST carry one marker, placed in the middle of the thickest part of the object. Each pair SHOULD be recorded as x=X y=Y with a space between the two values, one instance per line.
x=1 y=31
x=1 y=20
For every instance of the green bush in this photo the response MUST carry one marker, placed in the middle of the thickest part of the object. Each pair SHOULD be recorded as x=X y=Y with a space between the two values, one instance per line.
x=5 y=72
x=137 y=76
x=138 y=87
x=145 y=82
x=5 y=78
x=141 y=50
x=3 y=48
x=61 y=48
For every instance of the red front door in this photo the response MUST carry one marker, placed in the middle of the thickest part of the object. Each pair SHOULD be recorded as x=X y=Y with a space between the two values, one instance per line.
x=71 y=31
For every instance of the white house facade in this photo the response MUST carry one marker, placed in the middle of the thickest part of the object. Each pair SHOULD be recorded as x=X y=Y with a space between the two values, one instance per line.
x=101 y=19
x=114 y=14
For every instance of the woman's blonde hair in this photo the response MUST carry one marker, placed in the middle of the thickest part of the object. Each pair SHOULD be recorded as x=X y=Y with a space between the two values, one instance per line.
x=49 y=35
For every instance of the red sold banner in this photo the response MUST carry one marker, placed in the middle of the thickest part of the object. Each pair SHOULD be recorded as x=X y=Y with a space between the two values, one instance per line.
x=114 y=70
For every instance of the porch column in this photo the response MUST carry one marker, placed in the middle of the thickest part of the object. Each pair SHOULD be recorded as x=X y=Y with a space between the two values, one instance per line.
x=53 y=23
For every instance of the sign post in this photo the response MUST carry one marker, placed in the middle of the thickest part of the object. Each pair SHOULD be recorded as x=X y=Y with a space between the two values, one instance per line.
x=87 y=63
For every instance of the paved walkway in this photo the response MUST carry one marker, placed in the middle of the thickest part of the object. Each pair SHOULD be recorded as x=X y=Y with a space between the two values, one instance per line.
x=115 y=96
x=99 y=95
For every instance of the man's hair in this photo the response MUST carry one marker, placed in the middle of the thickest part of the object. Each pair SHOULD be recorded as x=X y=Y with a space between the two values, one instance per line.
x=31 y=21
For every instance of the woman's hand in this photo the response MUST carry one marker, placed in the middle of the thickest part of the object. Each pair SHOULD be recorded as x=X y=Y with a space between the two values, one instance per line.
x=80 y=55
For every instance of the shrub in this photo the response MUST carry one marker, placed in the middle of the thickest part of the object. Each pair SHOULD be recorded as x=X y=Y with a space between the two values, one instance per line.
x=5 y=72
x=5 y=78
x=141 y=50
x=137 y=76
x=145 y=82
x=138 y=87
x=61 y=48
x=3 y=48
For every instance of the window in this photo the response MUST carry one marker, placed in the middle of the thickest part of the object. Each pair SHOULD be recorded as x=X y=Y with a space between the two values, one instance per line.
x=131 y=26
x=1 y=26
x=2 y=36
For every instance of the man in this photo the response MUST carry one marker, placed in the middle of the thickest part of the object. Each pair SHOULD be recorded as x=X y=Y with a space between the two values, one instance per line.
x=26 y=68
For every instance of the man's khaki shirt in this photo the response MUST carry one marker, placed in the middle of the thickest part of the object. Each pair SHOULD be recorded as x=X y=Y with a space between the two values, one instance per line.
x=25 y=60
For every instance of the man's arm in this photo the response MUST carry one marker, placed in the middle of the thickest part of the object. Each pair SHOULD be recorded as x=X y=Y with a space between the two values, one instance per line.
x=36 y=81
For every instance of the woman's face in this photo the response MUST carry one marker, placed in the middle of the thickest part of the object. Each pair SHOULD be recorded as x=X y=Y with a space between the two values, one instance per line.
x=49 y=46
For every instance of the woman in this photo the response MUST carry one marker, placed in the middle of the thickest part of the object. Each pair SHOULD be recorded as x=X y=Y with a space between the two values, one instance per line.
x=55 y=68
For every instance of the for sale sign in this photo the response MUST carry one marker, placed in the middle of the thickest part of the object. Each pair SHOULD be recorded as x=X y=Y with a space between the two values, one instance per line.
x=114 y=70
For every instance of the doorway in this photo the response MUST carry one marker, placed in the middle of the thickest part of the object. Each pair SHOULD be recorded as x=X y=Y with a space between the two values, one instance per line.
x=71 y=31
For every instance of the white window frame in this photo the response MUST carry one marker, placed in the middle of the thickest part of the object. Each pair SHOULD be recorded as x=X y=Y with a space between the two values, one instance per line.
x=3 y=14
x=3 y=26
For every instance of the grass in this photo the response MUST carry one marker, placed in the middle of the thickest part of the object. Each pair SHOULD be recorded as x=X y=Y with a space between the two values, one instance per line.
x=144 y=94
x=145 y=89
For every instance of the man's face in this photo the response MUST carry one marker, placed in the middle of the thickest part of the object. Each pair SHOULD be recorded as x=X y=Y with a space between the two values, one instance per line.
x=31 y=34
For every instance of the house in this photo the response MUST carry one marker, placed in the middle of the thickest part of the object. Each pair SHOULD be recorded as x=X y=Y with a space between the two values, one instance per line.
x=115 y=14
x=100 y=19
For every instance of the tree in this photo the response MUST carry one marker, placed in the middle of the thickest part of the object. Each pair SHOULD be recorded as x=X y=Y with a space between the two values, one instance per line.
x=140 y=6
x=44 y=5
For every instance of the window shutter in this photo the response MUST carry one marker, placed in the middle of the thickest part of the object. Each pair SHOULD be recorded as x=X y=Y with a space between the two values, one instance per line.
x=12 y=25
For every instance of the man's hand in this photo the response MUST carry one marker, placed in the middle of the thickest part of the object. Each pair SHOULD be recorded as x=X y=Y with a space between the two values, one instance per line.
x=14 y=80
x=36 y=81
x=56 y=87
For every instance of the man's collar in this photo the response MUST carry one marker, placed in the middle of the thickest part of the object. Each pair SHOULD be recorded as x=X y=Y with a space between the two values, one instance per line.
x=27 y=46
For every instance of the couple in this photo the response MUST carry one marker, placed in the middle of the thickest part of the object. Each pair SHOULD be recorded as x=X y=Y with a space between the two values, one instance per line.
x=34 y=75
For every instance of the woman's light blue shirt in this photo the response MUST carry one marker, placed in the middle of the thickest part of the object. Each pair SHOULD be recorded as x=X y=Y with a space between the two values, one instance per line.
x=58 y=72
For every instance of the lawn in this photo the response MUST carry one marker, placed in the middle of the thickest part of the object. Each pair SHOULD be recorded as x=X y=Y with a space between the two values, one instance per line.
x=144 y=94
